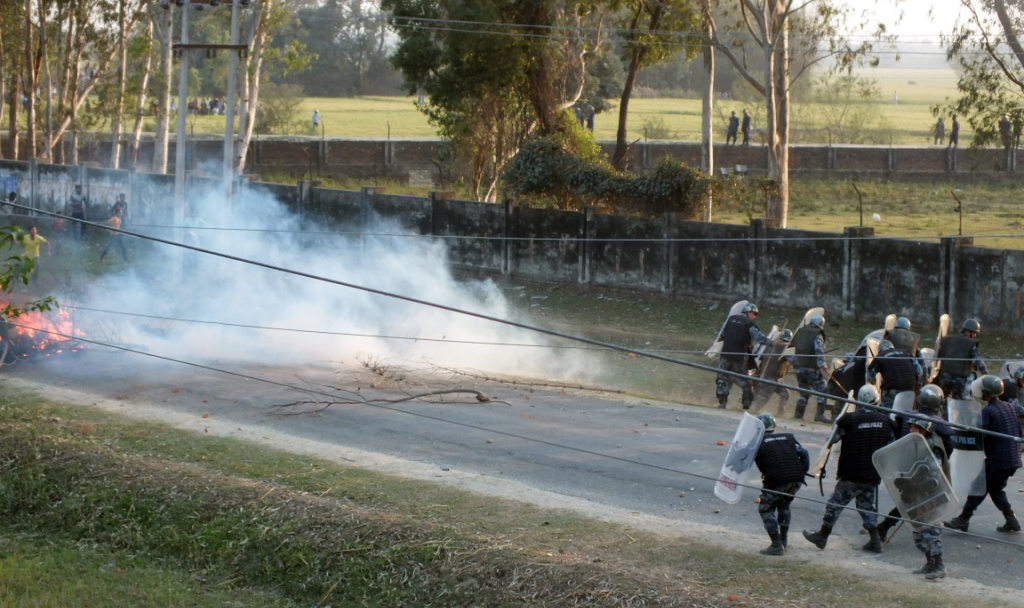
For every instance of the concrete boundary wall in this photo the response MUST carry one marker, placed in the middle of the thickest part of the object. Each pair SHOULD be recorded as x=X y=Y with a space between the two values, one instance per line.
x=853 y=274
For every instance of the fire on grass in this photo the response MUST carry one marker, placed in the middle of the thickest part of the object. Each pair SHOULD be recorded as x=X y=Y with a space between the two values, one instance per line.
x=34 y=333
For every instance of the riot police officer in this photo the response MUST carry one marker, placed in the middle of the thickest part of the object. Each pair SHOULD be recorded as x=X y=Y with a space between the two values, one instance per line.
x=809 y=365
x=862 y=432
x=738 y=335
x=904 y=339
x=939 y=437
x=1002 y=457
x=900 y=371
x=783 y=463
x=959 y=356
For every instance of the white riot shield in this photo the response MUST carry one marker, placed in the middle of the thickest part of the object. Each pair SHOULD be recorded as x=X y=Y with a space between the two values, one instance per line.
x=890 y=322
x=904 y=401
x=716 y=346
x=822 y=457
x=869 y=346
x=943 y=330
x=818 y=310
x=967 y=462
x=915 y=480
x=739 y=462
x=928 y=355
x=1006 y=371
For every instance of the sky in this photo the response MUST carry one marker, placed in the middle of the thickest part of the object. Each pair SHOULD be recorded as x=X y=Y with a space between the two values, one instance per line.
x=919 y=21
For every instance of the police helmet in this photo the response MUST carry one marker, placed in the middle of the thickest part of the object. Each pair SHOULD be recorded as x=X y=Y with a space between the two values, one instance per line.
x=885 y=345
x=787 y=335
x=750 y=307
x=868 y=394
x=818 y=321
x=924 y=425
x=1019 y=373
x=930 y=398
x=991 y=386
x=768 y=421
x=971 y=325
x=903 y=323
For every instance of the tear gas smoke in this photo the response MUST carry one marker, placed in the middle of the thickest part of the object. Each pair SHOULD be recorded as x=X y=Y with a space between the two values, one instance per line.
x=226 y=291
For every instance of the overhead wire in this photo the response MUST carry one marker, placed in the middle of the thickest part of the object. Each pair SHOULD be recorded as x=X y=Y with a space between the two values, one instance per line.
x=542 y=330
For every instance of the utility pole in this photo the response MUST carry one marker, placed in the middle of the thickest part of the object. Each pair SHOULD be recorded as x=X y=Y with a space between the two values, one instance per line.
x=180 y=158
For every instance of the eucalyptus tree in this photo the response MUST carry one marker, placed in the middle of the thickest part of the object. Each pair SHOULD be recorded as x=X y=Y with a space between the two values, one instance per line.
x=987 y=50
x=772 y=44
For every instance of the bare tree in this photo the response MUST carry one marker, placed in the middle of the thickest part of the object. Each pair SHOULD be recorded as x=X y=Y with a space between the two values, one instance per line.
x=163 y=27
x=773 y=65
x=122 y=76
x=140 y=94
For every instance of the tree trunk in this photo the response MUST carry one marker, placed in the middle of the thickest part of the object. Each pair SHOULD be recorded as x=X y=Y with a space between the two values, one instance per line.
x=777 y=98
x=164 y=27
x=47 y=144
x=635 y=61
x=15 y=105
x=707 y=134
x=140 y=100
x=250 y=82
x=122 y=55
x=31 y=83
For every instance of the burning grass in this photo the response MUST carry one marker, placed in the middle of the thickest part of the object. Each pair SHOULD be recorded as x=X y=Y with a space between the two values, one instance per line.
x=38 y=333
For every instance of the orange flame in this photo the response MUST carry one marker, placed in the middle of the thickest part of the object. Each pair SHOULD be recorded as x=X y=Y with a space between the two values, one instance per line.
x=38 y=331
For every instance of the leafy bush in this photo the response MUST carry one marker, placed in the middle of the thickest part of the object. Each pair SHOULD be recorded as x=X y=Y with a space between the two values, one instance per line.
x=547 y=173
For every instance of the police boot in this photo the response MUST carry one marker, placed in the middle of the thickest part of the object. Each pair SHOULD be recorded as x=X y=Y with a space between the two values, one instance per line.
x=819 y=538
x=928 y=567
x=723 y=402
x=784 y=536
x=960 y=522
x=776 y=547
x=799 y=413
x=875 y=544
x=1011 y=525
x=819 y=416
x=938 y=568
x=883 y=528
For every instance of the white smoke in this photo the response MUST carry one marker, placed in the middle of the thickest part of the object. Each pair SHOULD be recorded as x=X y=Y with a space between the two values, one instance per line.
x=223 y=291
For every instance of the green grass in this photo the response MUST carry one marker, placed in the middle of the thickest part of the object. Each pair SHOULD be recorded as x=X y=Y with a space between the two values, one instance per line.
x=135 y=514
x=381 y=117
x=39 y=571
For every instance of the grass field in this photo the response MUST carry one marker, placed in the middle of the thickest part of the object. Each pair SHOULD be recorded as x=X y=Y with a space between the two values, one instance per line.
x=397 y=117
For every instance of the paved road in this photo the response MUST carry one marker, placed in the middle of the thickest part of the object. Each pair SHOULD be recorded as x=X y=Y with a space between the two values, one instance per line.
x=643 y=462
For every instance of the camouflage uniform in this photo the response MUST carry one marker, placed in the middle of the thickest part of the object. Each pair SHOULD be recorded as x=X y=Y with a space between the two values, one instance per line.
x=929 y=540
x=776 y=499
x=846 y=491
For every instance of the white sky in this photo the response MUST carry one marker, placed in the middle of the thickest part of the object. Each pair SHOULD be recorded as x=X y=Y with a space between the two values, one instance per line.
x=920 y=21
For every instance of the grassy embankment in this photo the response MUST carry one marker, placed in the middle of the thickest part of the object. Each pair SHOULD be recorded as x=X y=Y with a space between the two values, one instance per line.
x=101 y=512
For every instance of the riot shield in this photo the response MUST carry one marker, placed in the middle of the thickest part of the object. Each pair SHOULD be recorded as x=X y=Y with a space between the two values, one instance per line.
x=904 y=401
x=739 y=462
x=928 y=355
x=716 y=346
x=915 y=480
x=869 y=346
x=943 y=330
x=967 y=462
x=890 y=322
x=771 y=365
x=822 y=458
x=1006 y=371
x=818 y=310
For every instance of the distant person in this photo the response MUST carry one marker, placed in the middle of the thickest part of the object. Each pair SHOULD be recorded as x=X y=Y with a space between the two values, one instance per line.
x=78 y=208
x=733 y=129
x=746 y=127
x=1016 y=129
x=32 y=243
x=895 y=98
x=954 y=133
x=1004 y=131
x=590 y=118
x=116 y=238
x=120 y=207
x=316 y=119
x=940 y=132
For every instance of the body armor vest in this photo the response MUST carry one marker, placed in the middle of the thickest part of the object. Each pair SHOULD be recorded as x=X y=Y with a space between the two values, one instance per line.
x=897 y=369
x=904 y=339
x=736 y=338
x=803 y=344
x=864 y=432
x=1001 y=417
x=778 y=460
x=957 y=349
